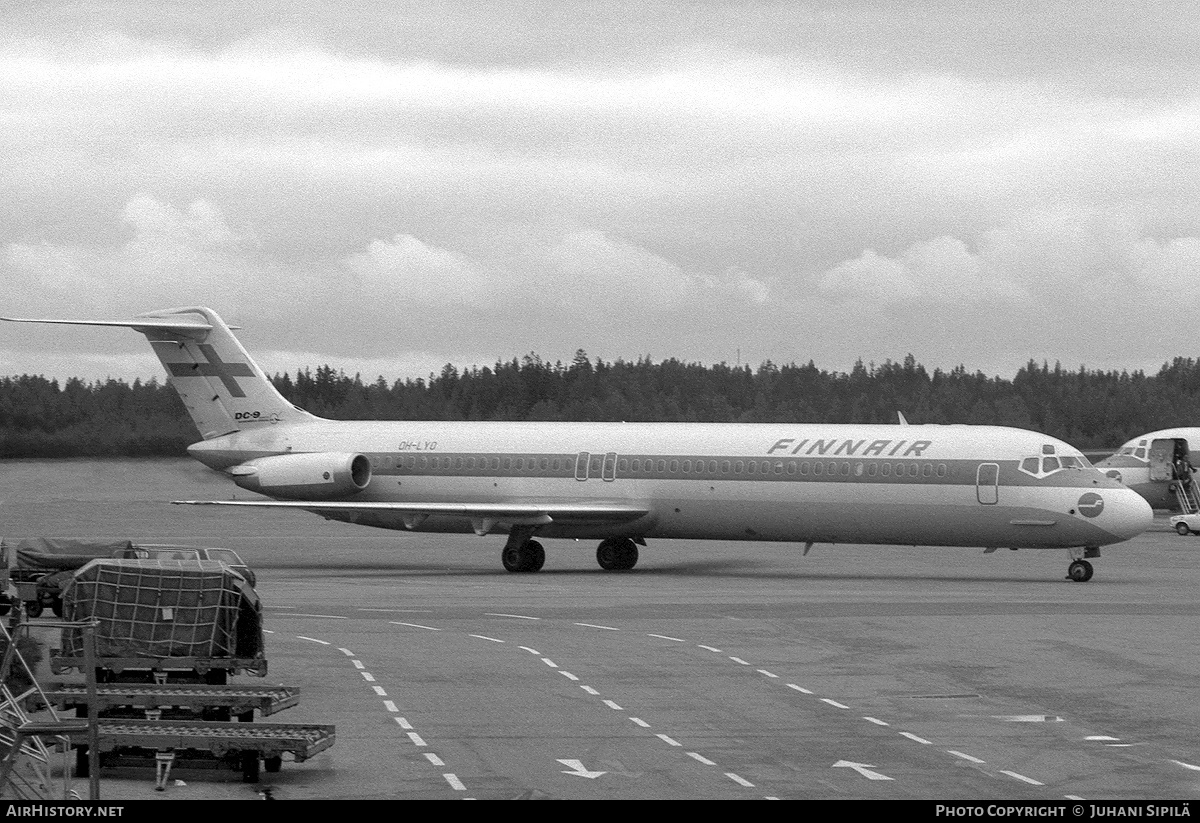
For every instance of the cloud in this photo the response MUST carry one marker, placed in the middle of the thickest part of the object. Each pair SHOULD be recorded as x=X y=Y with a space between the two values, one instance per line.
x=416 y=272
x=940 y=271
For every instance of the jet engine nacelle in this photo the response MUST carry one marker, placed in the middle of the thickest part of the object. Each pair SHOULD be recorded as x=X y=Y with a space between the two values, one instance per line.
x=317 y=476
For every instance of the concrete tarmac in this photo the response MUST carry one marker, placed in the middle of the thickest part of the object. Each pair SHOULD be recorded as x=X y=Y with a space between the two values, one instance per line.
x=713 y=670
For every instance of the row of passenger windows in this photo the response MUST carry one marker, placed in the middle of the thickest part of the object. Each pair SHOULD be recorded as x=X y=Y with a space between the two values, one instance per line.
x=649 y=466
x=803 y=468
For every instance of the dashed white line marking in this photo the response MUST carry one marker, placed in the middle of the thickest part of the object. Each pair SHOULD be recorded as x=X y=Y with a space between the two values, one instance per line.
x=358 y=664
x=667 y=637
x=367 y=676
x=416 y=739
x=567 y=675
x=738 y=660
x=875 y=720
x=344 y=651
x=549 y=662
x=613 y=705
x=390 y=706
x=395 y=611
x=485 y=637
x=741 y=781
x=1029 y=780
x=415 y=626
x=434 y=759
x=640 y=722
x=798 y=688
x=767 y=673
x=834 y=703
x=965 y=756
x=1100 y=737
x=701 y=758
x=455 y=783
x=912 y=736
x=326 y=616
x=404 y=724
x=531 y=651
x=590 y=691
x=711 y=649
x=379 y=691
x=313 y=640
x=594 y=626
x=1186 y=765
x=517 y=616
x=668 y=740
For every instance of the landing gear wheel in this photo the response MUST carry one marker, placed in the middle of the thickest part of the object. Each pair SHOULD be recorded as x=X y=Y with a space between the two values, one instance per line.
x=272 y=764
x=617 y=554
x=1183 y=529
x=56 y=606
x=1080 y=571
x=527 y=557
x=535 y=556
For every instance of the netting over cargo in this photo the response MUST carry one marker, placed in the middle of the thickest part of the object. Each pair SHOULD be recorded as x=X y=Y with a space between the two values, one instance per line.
x=163 y=608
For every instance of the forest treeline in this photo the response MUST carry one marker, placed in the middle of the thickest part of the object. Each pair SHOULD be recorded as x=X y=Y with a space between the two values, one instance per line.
x=1090 y=409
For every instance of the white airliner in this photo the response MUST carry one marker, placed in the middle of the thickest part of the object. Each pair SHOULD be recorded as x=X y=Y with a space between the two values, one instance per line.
x=621 y=483
x=1150 y=465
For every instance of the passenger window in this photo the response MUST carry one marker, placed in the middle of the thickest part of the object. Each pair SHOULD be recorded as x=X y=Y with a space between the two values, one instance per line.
x=662 y=465
x=737 y=467
x=687 y=466
x=674 y=467
x=724 y=467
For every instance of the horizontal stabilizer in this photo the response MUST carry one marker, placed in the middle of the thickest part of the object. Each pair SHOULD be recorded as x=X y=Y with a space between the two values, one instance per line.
x=179 y=325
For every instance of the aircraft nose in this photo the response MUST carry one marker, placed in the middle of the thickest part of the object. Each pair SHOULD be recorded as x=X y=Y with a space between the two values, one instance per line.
x=1128 y=515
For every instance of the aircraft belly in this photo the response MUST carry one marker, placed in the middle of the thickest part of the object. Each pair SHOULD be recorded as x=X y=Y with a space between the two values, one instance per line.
x=823 y=513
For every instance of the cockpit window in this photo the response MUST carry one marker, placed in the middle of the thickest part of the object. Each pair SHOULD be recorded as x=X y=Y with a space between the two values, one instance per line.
x=1139 y=452
x=1040 y=467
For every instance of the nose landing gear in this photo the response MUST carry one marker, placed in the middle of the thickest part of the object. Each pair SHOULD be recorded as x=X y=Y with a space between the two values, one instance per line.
x=1080 y=570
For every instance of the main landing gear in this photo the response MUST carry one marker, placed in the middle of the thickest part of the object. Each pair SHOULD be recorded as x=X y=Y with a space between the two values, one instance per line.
x=527 y=556
x=1080 y=570
x=617 y=554
x=524 y=554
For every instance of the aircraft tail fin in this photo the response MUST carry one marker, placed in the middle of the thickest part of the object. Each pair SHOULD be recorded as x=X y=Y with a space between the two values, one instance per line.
x=222 y=388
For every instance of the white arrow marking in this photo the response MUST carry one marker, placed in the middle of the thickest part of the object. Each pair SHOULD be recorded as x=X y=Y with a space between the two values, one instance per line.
x=576 y=768
x=862 y=768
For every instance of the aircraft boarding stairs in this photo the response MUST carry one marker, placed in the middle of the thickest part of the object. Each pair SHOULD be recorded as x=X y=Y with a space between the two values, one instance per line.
x=1188 y=497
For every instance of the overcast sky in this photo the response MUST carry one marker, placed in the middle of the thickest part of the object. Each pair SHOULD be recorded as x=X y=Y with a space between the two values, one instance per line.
x=389 y=187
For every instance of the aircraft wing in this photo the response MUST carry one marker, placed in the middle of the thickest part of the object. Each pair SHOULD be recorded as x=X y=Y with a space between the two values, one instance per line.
x=482 y=515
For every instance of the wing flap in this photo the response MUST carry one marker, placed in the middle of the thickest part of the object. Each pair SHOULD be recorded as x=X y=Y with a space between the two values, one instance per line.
x=517 y=513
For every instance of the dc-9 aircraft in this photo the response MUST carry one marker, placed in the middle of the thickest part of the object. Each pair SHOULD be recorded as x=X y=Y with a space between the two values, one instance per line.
x=623 y=483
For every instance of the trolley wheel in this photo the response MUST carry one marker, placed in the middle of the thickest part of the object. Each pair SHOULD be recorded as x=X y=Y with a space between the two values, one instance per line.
x=1182 y=528
x=249 y=766
x=33 y=608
